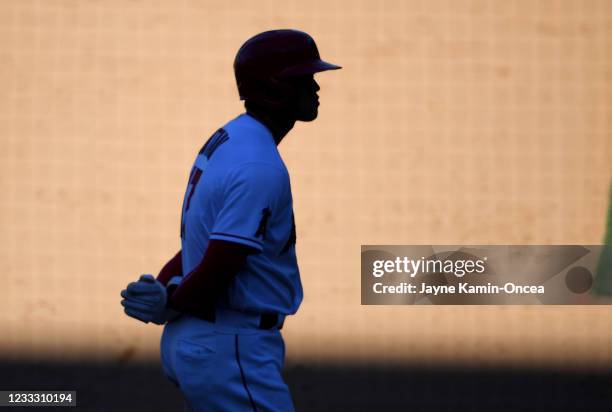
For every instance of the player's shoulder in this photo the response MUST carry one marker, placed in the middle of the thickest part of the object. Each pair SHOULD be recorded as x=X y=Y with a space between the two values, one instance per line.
x=258 y=171
x=254 y=177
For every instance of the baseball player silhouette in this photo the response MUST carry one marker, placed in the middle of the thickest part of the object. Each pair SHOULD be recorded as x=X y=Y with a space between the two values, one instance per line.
x=224 y=296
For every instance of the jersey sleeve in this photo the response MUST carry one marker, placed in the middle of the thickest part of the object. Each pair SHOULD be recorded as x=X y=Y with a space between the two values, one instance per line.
x=252 y=195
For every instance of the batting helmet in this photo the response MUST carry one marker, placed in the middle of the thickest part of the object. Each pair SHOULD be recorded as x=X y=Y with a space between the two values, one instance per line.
x=265 y=62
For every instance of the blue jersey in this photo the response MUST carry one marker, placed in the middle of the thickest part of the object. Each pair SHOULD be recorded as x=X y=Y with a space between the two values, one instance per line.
x=239 y=191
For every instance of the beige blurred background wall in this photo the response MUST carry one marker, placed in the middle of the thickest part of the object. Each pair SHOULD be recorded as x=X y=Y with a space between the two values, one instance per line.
x=477 y=122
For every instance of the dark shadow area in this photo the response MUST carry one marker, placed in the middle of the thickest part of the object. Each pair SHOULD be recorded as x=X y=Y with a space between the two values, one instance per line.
x=142 y=387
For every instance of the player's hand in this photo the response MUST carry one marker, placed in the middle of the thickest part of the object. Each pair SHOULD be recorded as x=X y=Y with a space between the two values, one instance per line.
x=146 y=300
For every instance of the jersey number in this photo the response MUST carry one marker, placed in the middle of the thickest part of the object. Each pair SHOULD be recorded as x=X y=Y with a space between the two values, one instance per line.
x=212 y=144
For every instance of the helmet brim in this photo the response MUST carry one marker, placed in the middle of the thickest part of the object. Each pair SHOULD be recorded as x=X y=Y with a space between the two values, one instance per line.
x=311 y=67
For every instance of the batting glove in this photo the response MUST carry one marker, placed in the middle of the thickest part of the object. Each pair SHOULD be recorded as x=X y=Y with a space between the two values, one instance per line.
x=146 y=301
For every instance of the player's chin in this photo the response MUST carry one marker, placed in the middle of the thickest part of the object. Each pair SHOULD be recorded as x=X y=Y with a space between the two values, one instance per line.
x=308 y=115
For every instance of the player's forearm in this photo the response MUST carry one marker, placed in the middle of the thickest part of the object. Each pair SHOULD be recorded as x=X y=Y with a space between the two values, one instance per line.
x=174 y=267
x=205 y=284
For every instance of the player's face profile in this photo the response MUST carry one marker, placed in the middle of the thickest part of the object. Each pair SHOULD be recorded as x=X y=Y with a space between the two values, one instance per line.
x=306 y=103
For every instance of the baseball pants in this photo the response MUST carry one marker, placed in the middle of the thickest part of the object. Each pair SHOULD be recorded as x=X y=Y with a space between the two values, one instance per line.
x=227 y=366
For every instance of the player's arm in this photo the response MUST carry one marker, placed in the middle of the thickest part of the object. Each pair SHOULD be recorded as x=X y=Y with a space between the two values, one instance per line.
x=250 y=198
x=173 y=268
x=203 y=286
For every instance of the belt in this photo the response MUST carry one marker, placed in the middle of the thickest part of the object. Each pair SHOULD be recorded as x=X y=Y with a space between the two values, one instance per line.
x=237 y=318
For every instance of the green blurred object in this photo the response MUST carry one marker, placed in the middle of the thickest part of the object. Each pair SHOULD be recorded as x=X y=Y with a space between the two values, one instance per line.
x=603 y=279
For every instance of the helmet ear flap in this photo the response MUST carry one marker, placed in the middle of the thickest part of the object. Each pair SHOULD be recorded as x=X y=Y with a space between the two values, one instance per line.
x=282 y=89
x=266 y=90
